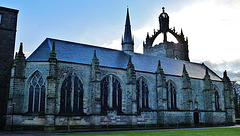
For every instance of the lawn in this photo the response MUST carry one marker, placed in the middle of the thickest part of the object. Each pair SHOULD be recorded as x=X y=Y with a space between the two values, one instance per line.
x=193 y=132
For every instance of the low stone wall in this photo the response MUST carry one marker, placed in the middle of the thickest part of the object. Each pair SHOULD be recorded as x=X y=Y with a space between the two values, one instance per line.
x=149 y=118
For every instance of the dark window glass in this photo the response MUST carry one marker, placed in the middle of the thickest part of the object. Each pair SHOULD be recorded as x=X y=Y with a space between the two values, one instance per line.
x=62 y=98
x=115 y=85
x=114 y=94
x=138 y=95
x=142 y=89
x=104 y=94
x=30 y=104
x=42 y=104
x=171 y=95
x=71 y=100
x=37 y=92
x=216 y=98
x=36 y=102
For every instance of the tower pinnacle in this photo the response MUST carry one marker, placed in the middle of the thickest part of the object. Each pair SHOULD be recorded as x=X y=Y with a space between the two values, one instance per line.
x=127 y=41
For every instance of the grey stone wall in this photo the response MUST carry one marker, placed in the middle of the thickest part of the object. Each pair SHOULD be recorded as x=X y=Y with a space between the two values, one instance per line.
x=167 y=49
x=7 y=43
x=189 y=100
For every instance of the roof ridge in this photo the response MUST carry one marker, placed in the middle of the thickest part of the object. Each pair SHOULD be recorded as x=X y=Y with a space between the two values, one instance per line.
x=119 y=50
x=83 y=44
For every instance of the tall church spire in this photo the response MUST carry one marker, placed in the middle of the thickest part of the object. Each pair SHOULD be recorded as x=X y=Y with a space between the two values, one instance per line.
x=127 y=41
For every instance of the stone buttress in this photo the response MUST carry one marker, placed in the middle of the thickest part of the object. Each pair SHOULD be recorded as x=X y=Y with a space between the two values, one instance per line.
x=17 y=85
x=187 y=95
x=51 y=91
x=161 y=93
x=208 y=97
x=95 y=90
x=229 y=99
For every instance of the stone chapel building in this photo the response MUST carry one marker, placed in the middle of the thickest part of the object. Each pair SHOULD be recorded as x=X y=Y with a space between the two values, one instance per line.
x=65 y=84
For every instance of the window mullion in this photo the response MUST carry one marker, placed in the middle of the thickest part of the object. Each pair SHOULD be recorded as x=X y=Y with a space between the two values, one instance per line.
x=34 y=89
x=110 y=97
x=39 y=97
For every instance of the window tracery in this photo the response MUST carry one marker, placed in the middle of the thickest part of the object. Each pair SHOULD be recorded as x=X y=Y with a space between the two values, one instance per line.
x=171 y=95
x=37 y=93
x=111 y=94
x=71 y=100
x=216 y=98
x=142 y=93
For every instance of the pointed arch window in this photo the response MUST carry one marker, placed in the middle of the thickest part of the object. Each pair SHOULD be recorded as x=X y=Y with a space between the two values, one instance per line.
x=171 y=95
x=37 y=93
x=111 y=94
x=71 y=99
x=216 y=98
x=142 y=93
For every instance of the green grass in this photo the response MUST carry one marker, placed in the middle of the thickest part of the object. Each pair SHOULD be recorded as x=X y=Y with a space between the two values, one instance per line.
x=193 y=132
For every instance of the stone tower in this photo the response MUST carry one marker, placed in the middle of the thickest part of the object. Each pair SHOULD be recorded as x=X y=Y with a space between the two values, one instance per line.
x=127 y=40
x=166 y=49
x=8 y=25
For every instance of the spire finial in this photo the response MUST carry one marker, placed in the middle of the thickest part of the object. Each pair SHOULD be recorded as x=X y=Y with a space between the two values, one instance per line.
x=207 y=71
x=159 y=68
x=21 y=48
x=184 y=68
x=159 y=63
x=147 y=35
x=53 y=53
x=95 y=60
x=163 y=9
x=53 y=46
x=95 y=53
x=225 y=73
x=130 y=64
x=127 y=18
x=225 y=77
x=181 y=31
x=130 y=59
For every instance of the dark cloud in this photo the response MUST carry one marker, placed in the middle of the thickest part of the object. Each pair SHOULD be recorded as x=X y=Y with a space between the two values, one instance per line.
x=232 y=67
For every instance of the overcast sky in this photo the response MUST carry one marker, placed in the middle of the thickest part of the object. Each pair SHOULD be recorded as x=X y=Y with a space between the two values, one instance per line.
x=212 y=26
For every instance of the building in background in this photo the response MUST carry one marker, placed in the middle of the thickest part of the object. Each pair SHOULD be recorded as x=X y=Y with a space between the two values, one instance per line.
x=8 y=26
x=65 y=84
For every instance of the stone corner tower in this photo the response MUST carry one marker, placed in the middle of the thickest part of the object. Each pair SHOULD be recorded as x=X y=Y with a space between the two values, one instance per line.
x=8 y=26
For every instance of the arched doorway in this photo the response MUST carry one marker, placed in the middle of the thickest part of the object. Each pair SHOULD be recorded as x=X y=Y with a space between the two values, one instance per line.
x=196 y=118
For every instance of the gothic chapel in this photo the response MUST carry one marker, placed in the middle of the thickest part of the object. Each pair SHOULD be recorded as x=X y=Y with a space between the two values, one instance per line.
x=65 y=84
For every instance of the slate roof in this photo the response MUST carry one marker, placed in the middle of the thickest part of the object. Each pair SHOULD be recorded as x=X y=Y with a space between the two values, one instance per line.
x=82 y=53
